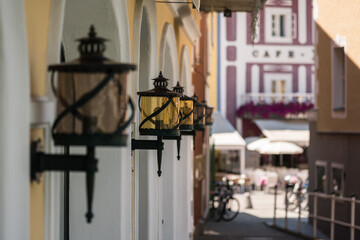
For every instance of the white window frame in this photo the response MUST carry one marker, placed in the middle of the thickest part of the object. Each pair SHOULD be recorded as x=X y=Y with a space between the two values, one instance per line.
x=338 y=111
x=321 y=163
x=339 y=166
x=288 y=24
x=269 y=78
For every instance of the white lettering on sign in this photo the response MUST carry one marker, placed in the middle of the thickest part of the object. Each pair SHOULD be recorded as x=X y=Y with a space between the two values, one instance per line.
x=281 y=54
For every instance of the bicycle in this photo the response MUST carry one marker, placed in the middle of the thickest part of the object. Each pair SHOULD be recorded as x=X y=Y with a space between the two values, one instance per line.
x=226 y=207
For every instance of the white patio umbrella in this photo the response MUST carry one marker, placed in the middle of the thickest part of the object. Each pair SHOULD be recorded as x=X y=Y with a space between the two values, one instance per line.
x=280 y=148
x=255 y=145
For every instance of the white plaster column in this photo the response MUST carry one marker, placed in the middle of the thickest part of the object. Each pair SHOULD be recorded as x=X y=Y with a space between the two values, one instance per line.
x=170 y=194
x=14 y=122
x=145 y=182
x=185 y=179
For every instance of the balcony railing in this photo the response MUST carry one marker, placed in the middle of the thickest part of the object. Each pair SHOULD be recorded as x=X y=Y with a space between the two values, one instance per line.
x=277 y=97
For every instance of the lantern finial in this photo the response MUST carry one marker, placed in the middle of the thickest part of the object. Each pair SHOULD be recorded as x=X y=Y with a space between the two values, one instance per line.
x=178 y=88
x=160 y=81
x=91 y=48
x=92 y=32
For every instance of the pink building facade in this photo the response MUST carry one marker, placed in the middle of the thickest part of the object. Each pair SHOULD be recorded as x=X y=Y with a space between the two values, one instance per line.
x=277 y=67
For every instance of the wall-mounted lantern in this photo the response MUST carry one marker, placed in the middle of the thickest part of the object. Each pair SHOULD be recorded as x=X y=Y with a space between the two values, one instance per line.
x=202 y=117
x=160 y=116
x=186 y=111
x=91 y=111
x=199 y=114
x=208 y=114
x=198 y=119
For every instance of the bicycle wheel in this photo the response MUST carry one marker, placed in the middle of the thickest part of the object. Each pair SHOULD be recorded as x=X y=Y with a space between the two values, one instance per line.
x=219 y=207
x=231 y=210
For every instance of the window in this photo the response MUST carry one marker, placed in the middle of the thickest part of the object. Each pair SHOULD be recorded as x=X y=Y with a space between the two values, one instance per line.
x=273 y=90
x=320 y=181
x=278 y=25
x=337 y=179
x=338 y=83
x=278 y=88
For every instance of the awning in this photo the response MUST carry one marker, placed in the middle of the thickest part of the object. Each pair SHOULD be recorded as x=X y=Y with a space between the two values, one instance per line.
x=233 y=5
x=224 y=134
x=294 y=131
x=225 y=137
x=228 y=141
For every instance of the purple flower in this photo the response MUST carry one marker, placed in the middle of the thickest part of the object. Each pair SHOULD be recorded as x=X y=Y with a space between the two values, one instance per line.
x=276 y=109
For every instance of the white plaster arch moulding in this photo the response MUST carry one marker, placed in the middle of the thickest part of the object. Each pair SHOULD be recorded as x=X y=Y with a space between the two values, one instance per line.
x=168 y=40
x=185 y=71
x=150 y=7
x=150 y=218
x=47 y=108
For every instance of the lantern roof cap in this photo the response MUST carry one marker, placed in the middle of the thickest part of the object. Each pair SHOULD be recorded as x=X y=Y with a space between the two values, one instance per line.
x=196 y=102
x=178 y=88
x=207 y=106
x=92 y=37
x=91 y=58
x=160 y=88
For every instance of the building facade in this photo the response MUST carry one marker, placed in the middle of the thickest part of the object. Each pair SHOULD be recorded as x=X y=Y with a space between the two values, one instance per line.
x=277 y=67
x=130 y=200
x=334 y=148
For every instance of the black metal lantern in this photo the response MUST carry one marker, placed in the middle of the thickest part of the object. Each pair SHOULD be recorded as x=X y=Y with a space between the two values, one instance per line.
x=160 y=116
x=199 y=114
x=198 y=119
x=92 y=110
x=208 y=114
x=186 y=109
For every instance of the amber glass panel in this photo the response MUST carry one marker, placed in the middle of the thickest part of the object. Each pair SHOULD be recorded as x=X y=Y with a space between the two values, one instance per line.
x=104 y=113
x=186 y=106
x=166 y=119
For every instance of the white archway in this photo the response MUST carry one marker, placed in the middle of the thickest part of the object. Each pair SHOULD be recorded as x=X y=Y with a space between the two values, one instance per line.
x=113 y=180
x=14 y=122
x=169 y=66
x=145 y=181
x=185 y=179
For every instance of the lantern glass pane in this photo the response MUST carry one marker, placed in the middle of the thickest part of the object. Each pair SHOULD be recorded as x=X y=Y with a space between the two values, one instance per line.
x=103 y=114
x=186 y=107
x=209 y=116
x=201 y=115
x=167 y=119
x=196 y=112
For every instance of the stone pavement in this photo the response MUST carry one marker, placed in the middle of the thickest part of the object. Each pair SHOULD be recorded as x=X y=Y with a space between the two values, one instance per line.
x=253 y=224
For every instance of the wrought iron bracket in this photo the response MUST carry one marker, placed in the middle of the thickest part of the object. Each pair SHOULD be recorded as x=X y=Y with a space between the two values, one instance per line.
x=190 y=133
x=40 y=162
x=178 y=143
x=150 y=145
